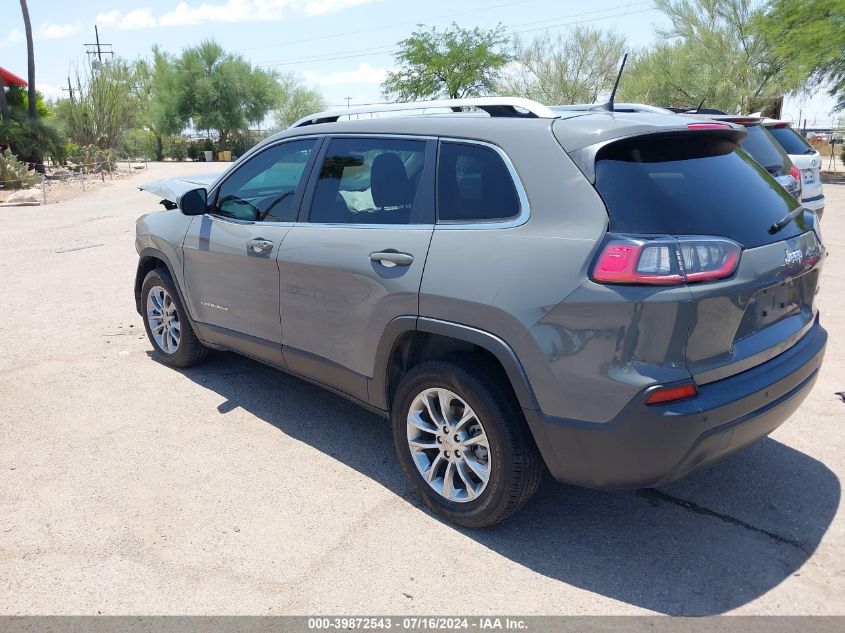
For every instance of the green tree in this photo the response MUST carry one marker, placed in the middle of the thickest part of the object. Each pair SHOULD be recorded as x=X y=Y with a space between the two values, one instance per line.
x=807 y=38
x=710 y=54
x=296 y=100
x=158 y=93
x=222 y=91
x=454 y=63
x=104 y=106
x=571 y=67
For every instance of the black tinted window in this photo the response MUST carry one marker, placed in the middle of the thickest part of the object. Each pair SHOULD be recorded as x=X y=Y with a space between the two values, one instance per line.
x=764 y=149
x=791 y=141
x=264 y=187
x=473 y=184
x=370 y=181
x=691 y=186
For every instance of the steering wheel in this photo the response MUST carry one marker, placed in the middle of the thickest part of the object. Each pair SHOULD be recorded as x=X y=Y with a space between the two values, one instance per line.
x=275 y=203
x=256 y=213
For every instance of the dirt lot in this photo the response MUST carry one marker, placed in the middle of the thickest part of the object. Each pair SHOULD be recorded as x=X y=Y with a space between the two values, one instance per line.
x=128 y=487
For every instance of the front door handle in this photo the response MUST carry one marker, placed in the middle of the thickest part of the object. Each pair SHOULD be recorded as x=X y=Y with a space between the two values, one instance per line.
x=392 y=258
x=259 y=246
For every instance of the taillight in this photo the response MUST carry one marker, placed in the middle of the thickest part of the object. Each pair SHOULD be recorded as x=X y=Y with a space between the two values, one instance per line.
x=665 y=260
x=796 y=176
x=662 y=395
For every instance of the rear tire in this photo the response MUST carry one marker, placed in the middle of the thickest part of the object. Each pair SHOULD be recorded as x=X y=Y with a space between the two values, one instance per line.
x=494 y=441
x=167 y=324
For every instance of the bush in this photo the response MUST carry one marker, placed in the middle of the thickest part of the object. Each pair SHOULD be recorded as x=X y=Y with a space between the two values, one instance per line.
x=32 y=141
x=178 y=150
x=14 y=174
x=138 y=144
x=93 y=159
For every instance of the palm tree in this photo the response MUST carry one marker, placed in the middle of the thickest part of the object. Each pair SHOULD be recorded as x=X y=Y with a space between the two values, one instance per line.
x=30 y=59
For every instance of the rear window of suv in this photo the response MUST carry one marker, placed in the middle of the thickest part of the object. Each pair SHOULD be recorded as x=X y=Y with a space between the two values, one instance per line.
x=791 y=141
x=691 y=185
x=764 y=149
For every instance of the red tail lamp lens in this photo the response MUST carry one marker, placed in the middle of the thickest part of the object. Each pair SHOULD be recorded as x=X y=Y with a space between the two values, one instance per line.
x=662 y=395
x=665 y=261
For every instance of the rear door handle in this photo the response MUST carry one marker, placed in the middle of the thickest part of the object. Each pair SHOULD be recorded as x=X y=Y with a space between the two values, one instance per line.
x=259 y=246
x=392 y=258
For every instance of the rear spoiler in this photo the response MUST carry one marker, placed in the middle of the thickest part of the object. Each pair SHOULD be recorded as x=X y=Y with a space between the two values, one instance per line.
x=585 y=157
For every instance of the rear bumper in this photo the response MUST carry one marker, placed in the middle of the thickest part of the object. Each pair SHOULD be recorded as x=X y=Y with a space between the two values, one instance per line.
x=816 y=203
x=649 y=445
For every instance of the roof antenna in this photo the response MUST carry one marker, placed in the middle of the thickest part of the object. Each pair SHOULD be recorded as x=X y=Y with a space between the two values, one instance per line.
x=609 y=105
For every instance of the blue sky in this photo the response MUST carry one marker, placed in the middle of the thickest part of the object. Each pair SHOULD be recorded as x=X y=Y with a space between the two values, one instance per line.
x=342 y=47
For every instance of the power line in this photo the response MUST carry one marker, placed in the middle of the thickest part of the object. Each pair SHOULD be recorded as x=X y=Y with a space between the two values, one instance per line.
x=391 y=26
x=391 y=48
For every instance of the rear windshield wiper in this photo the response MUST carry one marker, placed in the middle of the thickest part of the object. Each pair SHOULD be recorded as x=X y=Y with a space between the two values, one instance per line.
x=781 y=224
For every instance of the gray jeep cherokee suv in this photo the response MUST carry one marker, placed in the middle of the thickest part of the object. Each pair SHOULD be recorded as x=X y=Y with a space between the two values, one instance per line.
x=619 y=298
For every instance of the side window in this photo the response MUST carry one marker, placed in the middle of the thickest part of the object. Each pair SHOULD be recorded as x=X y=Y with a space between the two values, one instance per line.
x=473 y=185
x=263 y=189
x=370 y=181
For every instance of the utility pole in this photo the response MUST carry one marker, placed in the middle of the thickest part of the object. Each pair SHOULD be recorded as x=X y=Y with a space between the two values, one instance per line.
x=69 y=88
x=98 y=49
x=348 y=101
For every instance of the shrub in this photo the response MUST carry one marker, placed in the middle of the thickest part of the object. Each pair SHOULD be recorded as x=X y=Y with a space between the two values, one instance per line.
x=178 y=151
x=93 y=159
x=14 y=174
x=32 y=141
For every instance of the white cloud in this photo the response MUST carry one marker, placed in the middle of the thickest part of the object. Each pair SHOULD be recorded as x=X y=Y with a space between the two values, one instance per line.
x=108 y=18
x=319 y=7
x=363 y=74
x=138 y=19
x=49 y=91
x=15 y=36
x=58 y=31
x=190 y=13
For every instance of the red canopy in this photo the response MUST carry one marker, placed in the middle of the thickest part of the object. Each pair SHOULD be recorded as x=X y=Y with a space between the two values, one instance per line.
x=11 y=79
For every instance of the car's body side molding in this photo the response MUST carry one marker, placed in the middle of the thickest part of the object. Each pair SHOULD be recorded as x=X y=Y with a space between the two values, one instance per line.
x=379 y=396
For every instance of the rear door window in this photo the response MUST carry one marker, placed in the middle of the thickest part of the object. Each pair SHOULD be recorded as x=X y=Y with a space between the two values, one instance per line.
x=691 y=185
x=371 y=181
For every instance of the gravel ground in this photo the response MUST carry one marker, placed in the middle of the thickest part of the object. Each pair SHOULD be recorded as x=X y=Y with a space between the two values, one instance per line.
x=130 y=488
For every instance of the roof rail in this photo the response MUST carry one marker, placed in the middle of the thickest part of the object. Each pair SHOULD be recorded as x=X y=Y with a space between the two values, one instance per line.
x=617 y=107
x=494 y=106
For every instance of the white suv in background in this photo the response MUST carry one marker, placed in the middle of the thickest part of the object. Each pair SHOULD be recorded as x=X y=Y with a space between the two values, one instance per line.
x=805 y=157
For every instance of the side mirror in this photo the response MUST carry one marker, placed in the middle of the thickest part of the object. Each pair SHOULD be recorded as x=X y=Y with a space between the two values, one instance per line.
x=193 y=202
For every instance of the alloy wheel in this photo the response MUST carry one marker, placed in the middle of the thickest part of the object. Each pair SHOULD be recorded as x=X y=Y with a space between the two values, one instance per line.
x=163 y=320
x=448 y=445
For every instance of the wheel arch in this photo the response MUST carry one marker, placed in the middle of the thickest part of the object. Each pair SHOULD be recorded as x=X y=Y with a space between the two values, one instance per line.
x=409 y=340
x=150 y=259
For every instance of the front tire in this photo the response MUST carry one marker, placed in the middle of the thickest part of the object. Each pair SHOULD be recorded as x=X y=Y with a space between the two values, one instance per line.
x=463 y=442
x=167 y=325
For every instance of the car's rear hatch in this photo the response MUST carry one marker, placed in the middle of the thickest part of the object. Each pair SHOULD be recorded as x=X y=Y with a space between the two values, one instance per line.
x=803 y=155
x=700 y=185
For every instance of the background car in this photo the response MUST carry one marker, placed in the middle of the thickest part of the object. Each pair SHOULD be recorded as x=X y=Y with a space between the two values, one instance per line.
x=805 y=157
